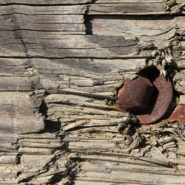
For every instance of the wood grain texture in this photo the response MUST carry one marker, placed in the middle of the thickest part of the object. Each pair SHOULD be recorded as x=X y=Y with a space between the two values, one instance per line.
x=137 y=7
x=135 y=27
x=97 y=77
x=44 y=2
x=17 y=114
x=58 y=85
x=86 y=46
x=127 y=1
x=43 y=10
x=29 y=19
x=128 y=8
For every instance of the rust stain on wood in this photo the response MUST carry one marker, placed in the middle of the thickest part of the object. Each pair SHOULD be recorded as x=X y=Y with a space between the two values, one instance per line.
x=178 y=114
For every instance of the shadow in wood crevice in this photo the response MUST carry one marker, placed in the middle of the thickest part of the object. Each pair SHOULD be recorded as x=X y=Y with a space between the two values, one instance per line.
x=43 y=109
x=69 y=174
x=57 y=178
x=93 y=1
x=88 y=25
x=150 y=72
x=129 y=129
x=132 y=17
x=50 y=126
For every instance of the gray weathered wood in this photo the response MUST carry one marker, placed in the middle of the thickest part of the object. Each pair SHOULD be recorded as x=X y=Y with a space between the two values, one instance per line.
x=58 y=85
x=130 y=27
x=128 y=8
x=43 y=10
x=44 y=2
x=137 y=7
x=17 y=113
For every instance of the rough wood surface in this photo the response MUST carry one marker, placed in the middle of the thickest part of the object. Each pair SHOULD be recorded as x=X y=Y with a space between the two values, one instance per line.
x=127 y=8
x=134 y=27
x=137 y=7
x=44 y=2
x=61 y=66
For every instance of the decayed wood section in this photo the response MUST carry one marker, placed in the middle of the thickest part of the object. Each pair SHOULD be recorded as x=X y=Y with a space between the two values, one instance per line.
x=62 y=63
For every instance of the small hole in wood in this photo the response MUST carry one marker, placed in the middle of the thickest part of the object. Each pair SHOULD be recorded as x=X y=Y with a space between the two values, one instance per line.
x=150 y=72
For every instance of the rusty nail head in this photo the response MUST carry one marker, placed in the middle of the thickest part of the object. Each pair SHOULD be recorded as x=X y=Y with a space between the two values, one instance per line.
x=149 y=101
x=135 y=94
x=160 y=102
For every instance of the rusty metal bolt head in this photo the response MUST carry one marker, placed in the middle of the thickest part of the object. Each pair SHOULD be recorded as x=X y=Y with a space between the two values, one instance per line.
x=135 y=94
x=161 y=99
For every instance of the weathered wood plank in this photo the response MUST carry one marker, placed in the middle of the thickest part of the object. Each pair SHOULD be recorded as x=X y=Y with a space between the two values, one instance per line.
x=85 y=46
x=82 y=42
x=50 y=22
x=48 y=19
x=95 y=68
x=94 y=165
x=97 y=113
x=128 y=1
x=18 y=84
x=128 y=8
x=8 y=159
x=71 y=92
x=59 y=23
x=31 y=143
x=43 y=10
x=5 y=138
x=44 y=2
x=99 y=77
x=8 y=145
x=121 y=170
x=18 y=115
x=138 y=7
x=13 y=67
x=12 y=50
x=21 y=44
x=130 y=26
x=134 y=178
x=35 y=151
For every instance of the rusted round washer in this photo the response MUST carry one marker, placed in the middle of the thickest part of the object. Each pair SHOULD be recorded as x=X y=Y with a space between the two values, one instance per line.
x=161 y=100
x=135 y=94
